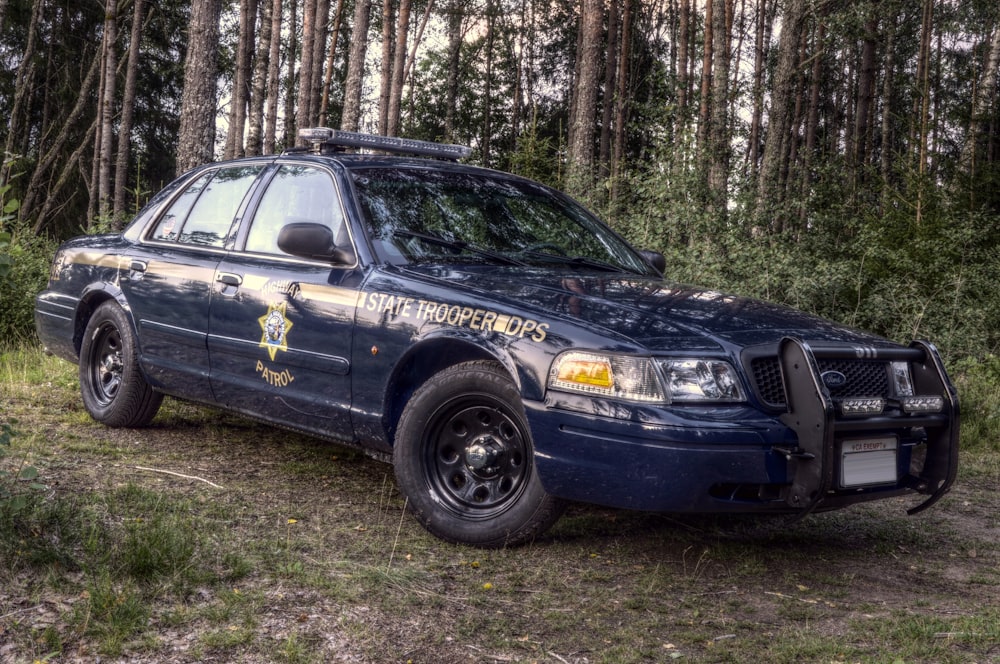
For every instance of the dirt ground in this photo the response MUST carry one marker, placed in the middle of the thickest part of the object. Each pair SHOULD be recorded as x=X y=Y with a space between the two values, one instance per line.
x=334 y=570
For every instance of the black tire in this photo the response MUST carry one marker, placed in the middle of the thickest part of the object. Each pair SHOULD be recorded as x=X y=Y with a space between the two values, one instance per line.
x=114 y=390
x=464 y=460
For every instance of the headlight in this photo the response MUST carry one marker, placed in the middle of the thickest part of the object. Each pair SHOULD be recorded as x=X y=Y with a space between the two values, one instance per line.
x=901 y=379
x=622 y=377
x=701 y=380
x=637 y=378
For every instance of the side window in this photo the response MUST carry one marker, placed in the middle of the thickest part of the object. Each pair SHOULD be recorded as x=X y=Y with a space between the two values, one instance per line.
x=170 y=223
x=204 y=212
x=296 y=194
x=212 y=215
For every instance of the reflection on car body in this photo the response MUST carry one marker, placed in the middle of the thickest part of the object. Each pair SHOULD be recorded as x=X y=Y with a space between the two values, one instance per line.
x=505 y=350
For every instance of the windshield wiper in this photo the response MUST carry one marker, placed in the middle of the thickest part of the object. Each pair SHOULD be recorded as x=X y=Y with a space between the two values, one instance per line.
x=459 y=245
x=575 y=260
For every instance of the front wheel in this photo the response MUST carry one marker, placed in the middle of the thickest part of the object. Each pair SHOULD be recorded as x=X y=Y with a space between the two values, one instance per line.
x=113 y=388
x=464 y=459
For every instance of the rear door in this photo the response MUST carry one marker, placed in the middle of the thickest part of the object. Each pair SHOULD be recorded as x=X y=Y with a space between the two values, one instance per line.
x=281 y=328
x=168 y=279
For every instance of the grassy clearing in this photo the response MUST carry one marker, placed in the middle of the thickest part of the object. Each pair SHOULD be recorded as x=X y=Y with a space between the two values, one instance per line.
x=205 y=536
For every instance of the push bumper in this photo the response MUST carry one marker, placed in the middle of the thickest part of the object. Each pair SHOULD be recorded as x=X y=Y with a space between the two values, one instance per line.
x=813 y=416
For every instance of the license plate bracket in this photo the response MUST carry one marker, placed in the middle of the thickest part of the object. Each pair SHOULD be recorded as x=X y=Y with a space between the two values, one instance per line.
x=868 y=462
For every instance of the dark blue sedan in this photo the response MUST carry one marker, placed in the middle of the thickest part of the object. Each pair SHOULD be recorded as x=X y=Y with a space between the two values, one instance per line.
x=504 y=349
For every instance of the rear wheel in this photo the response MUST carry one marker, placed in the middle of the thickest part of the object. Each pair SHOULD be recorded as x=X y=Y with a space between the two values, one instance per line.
x=464 y=459
x=113 y=388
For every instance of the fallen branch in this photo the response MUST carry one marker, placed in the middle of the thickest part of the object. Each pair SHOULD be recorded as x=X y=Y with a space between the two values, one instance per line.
x=187 y=477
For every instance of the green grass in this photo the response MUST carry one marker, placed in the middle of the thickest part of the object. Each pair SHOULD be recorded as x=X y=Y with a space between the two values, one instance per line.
x=305 y=553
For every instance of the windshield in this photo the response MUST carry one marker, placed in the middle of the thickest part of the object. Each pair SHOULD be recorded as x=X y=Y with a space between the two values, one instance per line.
x=419 y=216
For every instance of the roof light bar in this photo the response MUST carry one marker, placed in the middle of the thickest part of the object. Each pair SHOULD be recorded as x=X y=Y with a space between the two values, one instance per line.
x=324 y=136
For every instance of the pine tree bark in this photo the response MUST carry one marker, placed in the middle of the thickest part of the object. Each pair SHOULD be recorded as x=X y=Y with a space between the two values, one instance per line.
x=241 y=81
x=866 y=93
x=306 y=65
x=486 y=141
x=456 y=12
x=258 y=84
x=718 y=141
x=580 y=172
x=324 y=104
x=608 y=99
x=398 y=65
x=273 y=79
x=704 y=108
x=128 y=112
x=290 y=138
x=106 y=144
x=770 y=191
x=756 y=115
x=356 y=66
x=683 y=78
x=385 y=70
x=196 y=136
x=621 y=97
x=982 y=103
x=320 y=26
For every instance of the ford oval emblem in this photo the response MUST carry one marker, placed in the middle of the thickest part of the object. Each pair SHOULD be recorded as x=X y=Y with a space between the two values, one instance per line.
x=833 y=379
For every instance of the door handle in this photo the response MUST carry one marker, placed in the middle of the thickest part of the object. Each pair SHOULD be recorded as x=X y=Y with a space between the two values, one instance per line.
x=229 y=279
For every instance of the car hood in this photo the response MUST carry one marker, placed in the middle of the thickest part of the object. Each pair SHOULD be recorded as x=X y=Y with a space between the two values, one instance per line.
x=651 y=312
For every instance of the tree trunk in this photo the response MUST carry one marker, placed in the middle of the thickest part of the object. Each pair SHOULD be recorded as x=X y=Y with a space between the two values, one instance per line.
x=756 y=115
x=196 y=136
x=621 y=97
x=487 y=135
x=356 y=66
x=770 y=196
x=128 y=112
x=273 y=79
x=290 y=137
x=718 y=140
x=398 y=66
x=241 y=81
x=683 y=30
x=258 y=86
x=320 y=25
x=34 y=190
x=866 y=92
x=608 y=100
x=456 y=11
x=22 y=88
x=580 y=154
x=302 y=118
x=888 y=112
x=982 y=103
x=324 y=104
x=706 y=77
x=105 y=195
x=385 y=71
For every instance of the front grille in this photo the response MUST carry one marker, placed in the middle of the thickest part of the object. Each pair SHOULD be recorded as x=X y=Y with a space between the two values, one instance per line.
x=865 y=378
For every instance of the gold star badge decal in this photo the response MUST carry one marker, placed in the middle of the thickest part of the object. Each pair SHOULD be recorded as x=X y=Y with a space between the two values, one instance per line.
x=275 y=326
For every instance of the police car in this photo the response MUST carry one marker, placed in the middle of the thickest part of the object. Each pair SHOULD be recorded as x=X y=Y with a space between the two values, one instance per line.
x=504 y=349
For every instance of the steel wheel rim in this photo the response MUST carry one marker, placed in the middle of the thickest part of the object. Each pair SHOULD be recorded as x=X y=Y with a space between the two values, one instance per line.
x=107 y=364
x=476 y=457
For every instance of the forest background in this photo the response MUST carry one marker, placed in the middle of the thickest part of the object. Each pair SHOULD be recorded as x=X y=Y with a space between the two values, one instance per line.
x=839 y=156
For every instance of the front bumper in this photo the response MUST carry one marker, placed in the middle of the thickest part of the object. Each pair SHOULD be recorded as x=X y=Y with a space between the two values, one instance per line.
x=738 y=459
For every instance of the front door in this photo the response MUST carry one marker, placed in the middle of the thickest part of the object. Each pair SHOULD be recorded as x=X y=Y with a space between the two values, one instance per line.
x=281 y=327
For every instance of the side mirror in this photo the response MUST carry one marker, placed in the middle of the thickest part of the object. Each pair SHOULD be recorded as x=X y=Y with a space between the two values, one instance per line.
x=313 y=241
x=654 y=258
